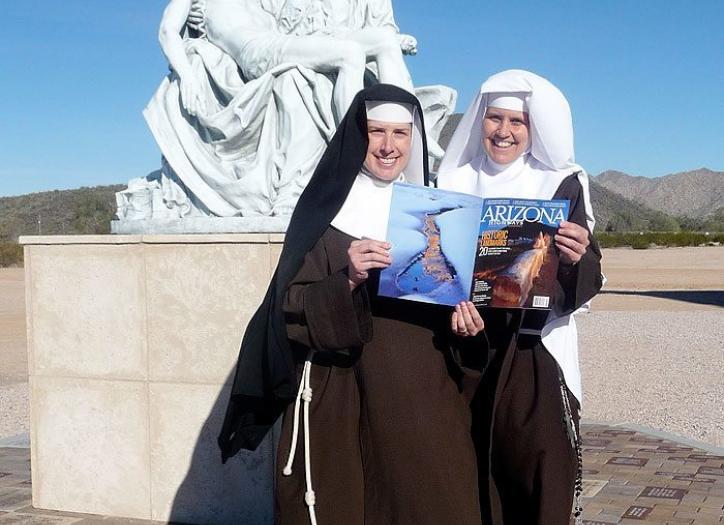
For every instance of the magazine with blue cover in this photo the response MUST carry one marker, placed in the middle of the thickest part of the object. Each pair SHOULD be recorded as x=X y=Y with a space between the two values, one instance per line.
x=449 y=247
x=433 y=234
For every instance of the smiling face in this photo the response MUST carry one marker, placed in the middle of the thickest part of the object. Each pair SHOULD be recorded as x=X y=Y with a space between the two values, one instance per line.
x=505 y=134
x=389 y=148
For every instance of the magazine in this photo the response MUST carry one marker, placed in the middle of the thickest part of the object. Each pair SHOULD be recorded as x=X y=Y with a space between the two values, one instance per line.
x=449 y=247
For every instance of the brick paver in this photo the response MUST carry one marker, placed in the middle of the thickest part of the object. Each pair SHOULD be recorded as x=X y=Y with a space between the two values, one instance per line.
x=632 y=477
x=629 y=477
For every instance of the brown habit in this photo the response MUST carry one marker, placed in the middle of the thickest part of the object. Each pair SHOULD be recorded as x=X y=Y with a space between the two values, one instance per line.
x=527 y=460
x=390 y=430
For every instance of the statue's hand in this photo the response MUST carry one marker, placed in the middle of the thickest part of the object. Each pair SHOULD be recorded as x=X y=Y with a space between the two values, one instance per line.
x=196 y=18
x=192 y=96
x=408 y=44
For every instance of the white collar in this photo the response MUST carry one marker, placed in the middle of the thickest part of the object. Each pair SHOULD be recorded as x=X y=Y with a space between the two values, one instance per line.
x=524 y=178
x=366 y=210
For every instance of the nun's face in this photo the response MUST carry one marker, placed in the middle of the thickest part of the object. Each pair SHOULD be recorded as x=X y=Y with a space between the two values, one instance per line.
x=505 y=134
x=389 y=148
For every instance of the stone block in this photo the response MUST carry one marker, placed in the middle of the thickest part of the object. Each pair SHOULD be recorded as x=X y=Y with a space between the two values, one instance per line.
x=188 y=482
x=276 y=251
x=200 y=299
x=132 y=343
x=87 y=311
x=90 y=448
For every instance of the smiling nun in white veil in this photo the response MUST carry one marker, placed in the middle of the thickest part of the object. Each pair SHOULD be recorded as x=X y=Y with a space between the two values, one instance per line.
x=516 y=140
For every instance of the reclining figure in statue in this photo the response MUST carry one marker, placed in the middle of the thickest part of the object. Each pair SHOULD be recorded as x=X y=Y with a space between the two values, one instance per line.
x=334 y=40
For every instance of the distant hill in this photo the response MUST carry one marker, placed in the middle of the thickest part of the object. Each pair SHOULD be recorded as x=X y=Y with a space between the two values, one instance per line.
x=90 y=210
x=70 y=212
x=616 y=213
x=698 y=193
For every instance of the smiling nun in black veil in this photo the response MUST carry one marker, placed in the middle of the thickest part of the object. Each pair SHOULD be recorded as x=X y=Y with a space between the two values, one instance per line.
x=516 y=141
x=375 y=429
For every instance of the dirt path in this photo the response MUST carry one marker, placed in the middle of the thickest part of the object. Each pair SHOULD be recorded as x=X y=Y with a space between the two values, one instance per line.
x=14 y=363
x=665 y=268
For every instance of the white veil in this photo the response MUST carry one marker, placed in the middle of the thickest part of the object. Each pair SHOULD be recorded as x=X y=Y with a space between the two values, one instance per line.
x=551 y=159
x=551 y=134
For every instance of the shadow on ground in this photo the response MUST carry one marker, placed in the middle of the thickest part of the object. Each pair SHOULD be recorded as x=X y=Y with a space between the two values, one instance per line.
x=707 y=297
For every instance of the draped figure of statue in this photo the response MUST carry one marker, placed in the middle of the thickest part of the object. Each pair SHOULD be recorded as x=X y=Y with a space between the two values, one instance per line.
x=255 y=92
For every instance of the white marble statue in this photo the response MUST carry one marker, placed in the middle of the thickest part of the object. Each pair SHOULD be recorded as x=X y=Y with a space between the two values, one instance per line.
x=255 y=92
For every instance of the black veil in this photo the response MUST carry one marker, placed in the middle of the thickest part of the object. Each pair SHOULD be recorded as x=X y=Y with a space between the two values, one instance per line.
x=265 y=381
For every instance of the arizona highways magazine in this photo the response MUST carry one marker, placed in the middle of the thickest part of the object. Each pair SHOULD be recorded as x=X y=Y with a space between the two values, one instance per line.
x=449 y=247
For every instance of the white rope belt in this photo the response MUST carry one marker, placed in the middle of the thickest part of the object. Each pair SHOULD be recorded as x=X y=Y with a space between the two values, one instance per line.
x=304 y=393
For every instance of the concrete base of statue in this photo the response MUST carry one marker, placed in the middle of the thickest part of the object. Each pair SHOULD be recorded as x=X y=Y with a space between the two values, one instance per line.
x=201 y=225
x=132 y=340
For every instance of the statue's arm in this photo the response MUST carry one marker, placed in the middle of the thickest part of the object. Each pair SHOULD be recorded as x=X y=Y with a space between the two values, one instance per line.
x=169 y=36
x=380 y=14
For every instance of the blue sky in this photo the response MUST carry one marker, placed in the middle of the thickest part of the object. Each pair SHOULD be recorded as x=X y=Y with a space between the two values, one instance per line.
x=645 y=79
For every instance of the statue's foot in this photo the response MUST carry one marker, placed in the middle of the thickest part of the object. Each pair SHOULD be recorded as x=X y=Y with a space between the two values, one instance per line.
x=284 y=210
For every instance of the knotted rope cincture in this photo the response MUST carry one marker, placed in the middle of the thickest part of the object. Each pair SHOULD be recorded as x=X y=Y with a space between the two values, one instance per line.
x=303 y=394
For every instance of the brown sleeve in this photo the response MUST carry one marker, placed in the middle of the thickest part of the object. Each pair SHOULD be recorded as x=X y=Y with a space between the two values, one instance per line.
x=580 y=282
x=321 y=311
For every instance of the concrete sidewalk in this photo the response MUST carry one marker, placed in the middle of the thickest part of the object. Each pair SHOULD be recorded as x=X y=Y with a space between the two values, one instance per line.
x=631 y=475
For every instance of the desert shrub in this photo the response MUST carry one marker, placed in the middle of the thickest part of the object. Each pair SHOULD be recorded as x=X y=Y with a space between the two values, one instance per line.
x=660 y=222
x=626 y=221
x=640 y=242
x=713 y=222
x=59 y=212
x=643 y=240
x=11 y=254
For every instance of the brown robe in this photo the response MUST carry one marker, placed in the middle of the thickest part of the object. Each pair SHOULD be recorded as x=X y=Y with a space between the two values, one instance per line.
x=526 y=458
x=390 y=429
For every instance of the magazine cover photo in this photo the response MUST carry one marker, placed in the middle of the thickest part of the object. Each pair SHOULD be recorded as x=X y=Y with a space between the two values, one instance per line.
x=517 y=262
x=433 y=235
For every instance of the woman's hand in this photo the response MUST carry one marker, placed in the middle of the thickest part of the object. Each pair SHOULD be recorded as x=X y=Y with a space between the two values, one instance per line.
x=363 y=256
x=572 y=242
x=466 y=320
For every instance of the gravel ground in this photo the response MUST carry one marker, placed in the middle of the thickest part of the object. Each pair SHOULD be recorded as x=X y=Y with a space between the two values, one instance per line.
x=645 y=359
x=14 y=418
x=660 y=369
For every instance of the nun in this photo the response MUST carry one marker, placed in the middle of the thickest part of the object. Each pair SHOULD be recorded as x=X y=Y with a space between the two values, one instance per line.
x=516 y=141
x=375 y=427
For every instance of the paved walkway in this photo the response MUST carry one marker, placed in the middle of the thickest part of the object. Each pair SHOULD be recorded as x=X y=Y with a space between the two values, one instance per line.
x=637 y=477
x=630 y=476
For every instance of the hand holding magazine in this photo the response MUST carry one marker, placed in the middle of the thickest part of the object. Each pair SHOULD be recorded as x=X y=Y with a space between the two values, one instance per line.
x=449 y=247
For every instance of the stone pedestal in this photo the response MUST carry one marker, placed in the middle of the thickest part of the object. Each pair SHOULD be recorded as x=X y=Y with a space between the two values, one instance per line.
x=132 y=340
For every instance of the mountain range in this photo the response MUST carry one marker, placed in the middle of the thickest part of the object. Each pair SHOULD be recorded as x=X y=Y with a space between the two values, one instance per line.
x=696 y=193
